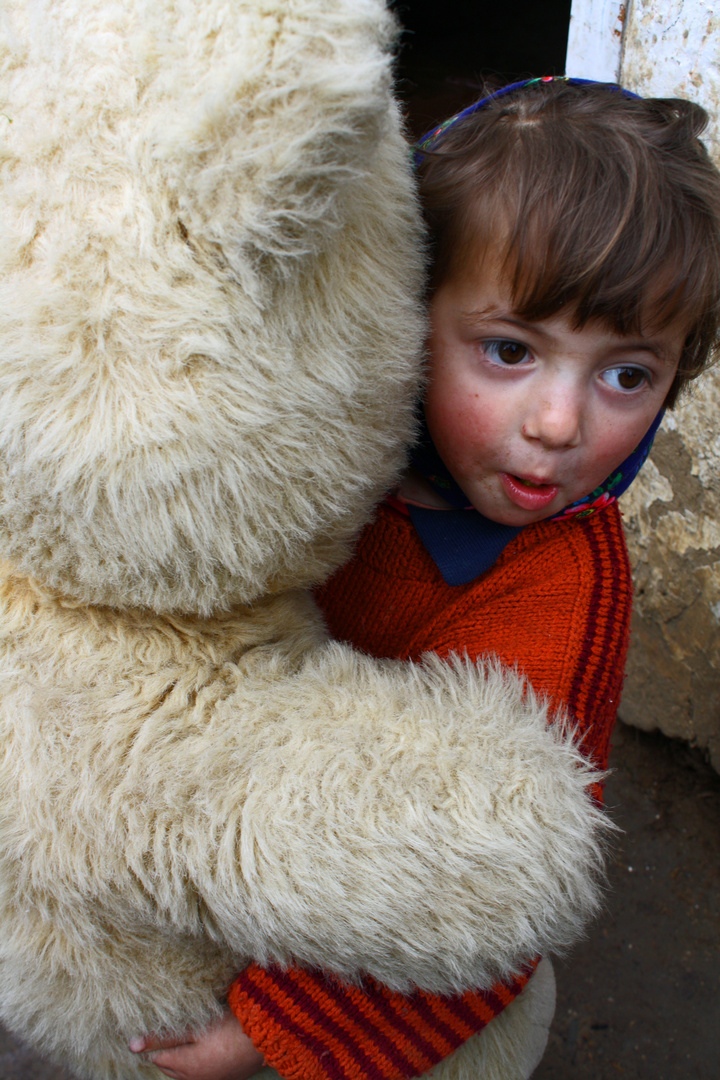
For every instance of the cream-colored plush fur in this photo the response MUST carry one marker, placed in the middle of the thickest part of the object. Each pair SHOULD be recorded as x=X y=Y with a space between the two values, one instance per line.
x=210 y=265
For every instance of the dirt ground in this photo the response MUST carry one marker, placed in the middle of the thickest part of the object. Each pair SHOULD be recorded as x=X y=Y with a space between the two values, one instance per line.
x=640 y=998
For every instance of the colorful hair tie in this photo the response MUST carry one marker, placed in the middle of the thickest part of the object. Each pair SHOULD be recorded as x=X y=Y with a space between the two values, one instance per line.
x=429 y=141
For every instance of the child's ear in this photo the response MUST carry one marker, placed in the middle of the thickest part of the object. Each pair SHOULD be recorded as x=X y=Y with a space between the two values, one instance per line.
x=273 y=112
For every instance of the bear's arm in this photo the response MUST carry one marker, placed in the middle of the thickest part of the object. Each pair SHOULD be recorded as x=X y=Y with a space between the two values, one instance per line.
x=415 y=822
x=296 y=800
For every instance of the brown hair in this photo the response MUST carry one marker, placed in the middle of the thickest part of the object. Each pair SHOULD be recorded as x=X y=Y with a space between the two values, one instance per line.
x=598 y=201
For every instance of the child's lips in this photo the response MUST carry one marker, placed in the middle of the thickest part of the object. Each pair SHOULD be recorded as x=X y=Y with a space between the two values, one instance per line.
x=528 y=493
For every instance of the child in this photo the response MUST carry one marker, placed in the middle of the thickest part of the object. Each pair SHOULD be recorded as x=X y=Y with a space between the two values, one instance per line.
x=575 y=290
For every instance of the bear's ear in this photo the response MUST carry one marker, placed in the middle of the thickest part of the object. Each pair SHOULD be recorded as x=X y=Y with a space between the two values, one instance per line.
x=211 y=265
x=274 y=112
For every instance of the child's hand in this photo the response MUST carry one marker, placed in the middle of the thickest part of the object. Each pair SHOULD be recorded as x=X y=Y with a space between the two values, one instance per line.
x=221 y=1052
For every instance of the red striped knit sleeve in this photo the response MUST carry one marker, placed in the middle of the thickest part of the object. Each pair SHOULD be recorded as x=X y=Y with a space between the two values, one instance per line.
x=309 y=1026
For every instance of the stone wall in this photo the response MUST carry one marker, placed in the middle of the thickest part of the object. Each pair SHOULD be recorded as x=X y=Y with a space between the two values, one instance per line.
x=672 y=512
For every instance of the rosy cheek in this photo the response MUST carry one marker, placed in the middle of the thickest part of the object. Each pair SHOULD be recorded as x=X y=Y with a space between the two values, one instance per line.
x=481 y=419
x=442 y=409
x=462 y=419
x=613 y=451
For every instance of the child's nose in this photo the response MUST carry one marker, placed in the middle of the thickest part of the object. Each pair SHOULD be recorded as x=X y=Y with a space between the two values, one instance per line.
x=554 y=420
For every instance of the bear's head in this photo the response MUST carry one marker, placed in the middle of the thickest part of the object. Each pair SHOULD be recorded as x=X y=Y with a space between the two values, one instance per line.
x=210 y=268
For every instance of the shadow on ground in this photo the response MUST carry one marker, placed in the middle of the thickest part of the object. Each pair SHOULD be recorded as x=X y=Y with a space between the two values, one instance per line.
x=640 y=999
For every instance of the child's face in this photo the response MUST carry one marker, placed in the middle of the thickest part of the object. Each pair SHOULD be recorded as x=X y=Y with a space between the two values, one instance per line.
x=530 y=416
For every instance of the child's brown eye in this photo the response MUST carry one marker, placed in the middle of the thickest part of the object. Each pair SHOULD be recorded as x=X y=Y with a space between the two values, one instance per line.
x=626 y=378
x=507 y=352
x=629 y=378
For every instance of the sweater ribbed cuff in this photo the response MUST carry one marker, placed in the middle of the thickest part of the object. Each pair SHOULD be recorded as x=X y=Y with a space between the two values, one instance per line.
x=309 y=1026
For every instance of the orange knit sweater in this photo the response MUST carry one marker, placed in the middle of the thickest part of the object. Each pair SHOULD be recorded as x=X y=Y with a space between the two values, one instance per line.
x=556 y=604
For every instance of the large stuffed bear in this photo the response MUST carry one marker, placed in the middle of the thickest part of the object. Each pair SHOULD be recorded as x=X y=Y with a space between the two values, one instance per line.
x=210 y=269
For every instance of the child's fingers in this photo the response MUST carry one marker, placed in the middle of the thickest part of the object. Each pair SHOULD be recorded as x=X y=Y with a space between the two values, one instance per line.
x=221 y=1051
x=145 y=1043
x=166 y=1061
x=190 y=1062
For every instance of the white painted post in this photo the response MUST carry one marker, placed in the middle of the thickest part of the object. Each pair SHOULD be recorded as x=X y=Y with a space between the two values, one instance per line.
x=595 y=39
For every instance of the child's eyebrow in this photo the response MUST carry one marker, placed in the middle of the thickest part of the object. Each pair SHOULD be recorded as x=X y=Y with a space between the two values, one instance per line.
x=652 y=347
x=479 y=319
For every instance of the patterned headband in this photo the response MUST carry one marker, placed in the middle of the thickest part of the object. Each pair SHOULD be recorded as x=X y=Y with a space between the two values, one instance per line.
x=429 y=141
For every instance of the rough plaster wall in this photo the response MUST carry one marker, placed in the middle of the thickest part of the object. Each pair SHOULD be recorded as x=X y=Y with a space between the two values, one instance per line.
x=672 y=513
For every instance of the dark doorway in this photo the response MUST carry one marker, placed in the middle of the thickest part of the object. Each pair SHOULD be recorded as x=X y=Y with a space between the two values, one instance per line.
x=451 y=48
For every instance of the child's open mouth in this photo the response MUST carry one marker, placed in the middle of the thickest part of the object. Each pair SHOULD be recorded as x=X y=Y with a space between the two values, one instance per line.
x=527 y=494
